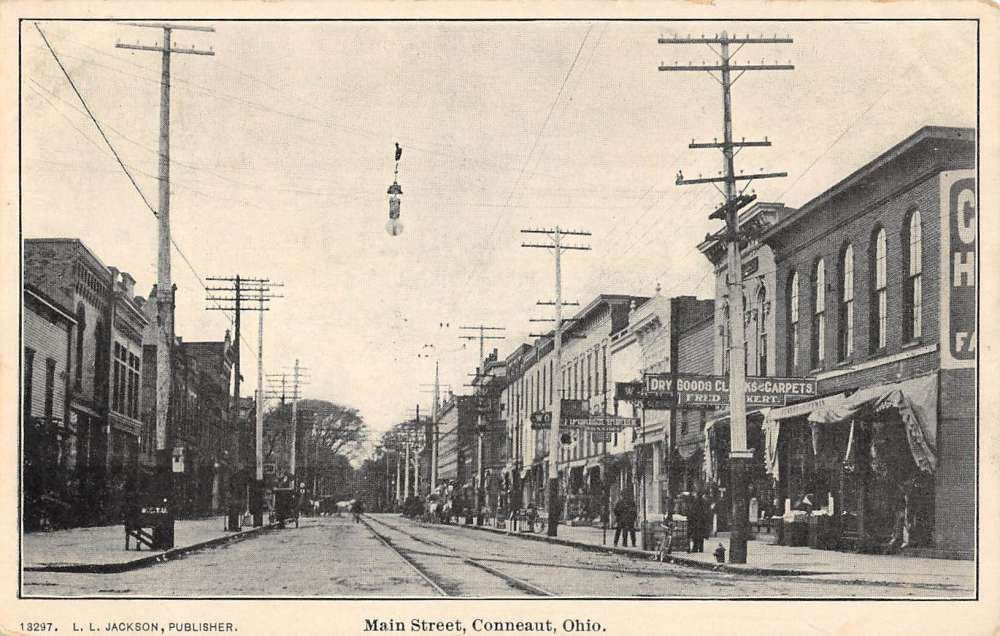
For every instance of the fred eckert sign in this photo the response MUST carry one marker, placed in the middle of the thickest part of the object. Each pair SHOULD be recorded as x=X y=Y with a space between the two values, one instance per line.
x=713 y=390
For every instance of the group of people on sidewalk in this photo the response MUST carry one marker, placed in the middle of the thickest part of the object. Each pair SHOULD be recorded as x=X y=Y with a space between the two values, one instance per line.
x=699 y=522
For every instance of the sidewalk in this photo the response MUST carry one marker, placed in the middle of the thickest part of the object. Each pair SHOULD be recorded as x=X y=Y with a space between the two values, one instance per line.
x=102 y=548
x=766 y=559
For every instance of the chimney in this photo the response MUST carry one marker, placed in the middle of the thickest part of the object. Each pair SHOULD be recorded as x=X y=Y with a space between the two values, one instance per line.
x=128 y=284
x=114 y=278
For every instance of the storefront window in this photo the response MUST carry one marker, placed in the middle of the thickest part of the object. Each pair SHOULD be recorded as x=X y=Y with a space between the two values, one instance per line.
x=793 y=322
x=913 y=297
x=762 y=331
x=846 y=321
x=879 y=294
x=819 y=315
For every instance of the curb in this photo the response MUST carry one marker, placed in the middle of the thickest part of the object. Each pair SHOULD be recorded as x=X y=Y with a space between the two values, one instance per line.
x=153 y=559
x=645 y=554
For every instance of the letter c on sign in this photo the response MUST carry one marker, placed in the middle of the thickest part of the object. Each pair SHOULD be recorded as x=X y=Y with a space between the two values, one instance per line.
x=966 y=216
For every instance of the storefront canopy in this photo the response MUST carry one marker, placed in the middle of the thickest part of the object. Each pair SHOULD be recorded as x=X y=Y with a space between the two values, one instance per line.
x=915 y=400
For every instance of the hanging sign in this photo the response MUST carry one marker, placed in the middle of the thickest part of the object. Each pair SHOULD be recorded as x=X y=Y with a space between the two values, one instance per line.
x=600 y=423
x=664 y=390
x=177 y=458
x=571 y=409
x=959 y=220
x=628 y=391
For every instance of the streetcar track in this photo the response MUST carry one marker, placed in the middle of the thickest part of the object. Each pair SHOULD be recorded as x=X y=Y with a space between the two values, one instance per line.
x=412 y=563
x=513 y=581
x=701 y=575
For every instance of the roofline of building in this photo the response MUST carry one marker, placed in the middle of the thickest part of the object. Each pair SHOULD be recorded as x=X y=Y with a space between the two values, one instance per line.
x=79 y=243
x=923 y=134
x=756 y=209
x=43 y=298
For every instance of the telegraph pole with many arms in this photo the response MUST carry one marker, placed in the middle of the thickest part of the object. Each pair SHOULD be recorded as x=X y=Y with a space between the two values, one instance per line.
x=246 y=289
x=164 y=283
x=481 y=371
x=556 y=235
x=739 y=455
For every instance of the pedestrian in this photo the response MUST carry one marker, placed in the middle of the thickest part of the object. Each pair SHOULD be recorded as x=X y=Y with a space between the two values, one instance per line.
x=667 y=545
x=700 y=512
x=695 y=519
x=625 y=514
x=357 y=508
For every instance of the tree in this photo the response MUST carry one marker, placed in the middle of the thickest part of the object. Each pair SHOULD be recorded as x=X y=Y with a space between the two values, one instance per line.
x=329 y=435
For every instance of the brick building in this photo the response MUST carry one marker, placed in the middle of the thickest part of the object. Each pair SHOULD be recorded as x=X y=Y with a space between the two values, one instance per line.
x=491 y=434
x=665 y=335
x=201 y=436
x=876 y=298
x=104 y=382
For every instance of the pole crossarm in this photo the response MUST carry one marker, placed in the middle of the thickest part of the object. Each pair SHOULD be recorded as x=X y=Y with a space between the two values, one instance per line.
x=167 y=25
x=160 y=49
x=716 y=39
x=732 y=144
x=728 y=67
x=560 y=231
x=738 y=177
x=562 y=247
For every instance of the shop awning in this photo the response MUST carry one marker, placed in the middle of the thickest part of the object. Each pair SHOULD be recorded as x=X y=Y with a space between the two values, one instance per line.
x=915 y=400
x=802 y=409
x=724 y=418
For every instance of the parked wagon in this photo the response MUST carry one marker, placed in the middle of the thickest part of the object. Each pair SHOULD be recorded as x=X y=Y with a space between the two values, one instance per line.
x=287 y=502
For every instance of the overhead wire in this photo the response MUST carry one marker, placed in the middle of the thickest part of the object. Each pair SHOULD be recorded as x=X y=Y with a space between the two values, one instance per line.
x=541 y=131
x=128 y=173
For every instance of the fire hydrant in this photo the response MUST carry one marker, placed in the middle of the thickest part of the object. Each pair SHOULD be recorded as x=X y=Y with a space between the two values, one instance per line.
x=720 y=554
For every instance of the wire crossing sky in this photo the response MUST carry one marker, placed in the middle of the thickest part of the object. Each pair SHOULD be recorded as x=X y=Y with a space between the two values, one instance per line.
x=283 y=147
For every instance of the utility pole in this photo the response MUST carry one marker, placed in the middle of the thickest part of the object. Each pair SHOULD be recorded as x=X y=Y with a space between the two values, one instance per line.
x=482 y=337
x=164 y=283
x=248 y=290
x=739 y=455
x=480 y=469
x=435 y=404
x=297 y=383
x=555 y=236
x=416 y=456
x=287 y=386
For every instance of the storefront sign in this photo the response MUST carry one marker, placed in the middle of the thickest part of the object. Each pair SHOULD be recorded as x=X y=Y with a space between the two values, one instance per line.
x=662 y=390
x=570 y=409
x=600 y=423
x=601 y=437
x=959 y=221
x=178 y=459
x=628 y=391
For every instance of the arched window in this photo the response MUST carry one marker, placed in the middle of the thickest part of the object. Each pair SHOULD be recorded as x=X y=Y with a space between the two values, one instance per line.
x=793 y=323
x=913 y=266
x=81 y=324
x=819 y=314
x=845 y=338
x=762 y=311
x=745 y=323
x=878 y=308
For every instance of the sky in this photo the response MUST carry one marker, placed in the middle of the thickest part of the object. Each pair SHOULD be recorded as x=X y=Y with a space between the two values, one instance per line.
x=282 y=150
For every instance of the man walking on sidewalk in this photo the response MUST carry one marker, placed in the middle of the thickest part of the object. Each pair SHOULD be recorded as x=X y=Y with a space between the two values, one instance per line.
x=625 y=514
